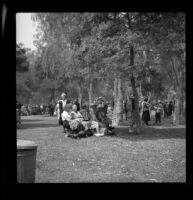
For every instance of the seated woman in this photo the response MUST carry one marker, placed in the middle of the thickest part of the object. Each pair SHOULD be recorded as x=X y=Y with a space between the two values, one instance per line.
x=75 y=123
x=66 y=119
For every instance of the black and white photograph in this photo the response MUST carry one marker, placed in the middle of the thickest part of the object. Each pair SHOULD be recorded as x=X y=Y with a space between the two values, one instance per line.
x=101 y=97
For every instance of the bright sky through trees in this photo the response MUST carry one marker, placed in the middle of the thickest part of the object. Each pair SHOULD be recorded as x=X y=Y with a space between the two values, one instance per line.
x=25 y=29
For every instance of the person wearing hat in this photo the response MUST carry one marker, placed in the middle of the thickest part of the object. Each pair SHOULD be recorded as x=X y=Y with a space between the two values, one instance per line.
x=145 y=111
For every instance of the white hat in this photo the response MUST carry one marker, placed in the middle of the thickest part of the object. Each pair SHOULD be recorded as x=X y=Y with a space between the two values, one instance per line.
x=63 y=93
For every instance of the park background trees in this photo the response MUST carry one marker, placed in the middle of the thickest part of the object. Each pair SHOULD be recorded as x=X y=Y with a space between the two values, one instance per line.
x=110 y=55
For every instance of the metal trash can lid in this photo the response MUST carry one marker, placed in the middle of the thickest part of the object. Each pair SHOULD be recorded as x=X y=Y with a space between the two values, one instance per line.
x=26 y=144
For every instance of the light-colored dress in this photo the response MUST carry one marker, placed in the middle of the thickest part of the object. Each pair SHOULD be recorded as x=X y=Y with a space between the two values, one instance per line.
x=57 y=110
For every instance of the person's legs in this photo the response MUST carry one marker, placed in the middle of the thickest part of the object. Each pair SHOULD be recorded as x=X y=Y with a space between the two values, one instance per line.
x=156 y=118
x=159 y=118
x=143 y=118
x=146 y=117
x=66 y=127
x=164 y=114
x=126 y=114
x=95 y=125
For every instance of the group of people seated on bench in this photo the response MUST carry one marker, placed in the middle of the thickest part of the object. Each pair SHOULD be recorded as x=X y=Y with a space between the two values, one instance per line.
x=90 y=120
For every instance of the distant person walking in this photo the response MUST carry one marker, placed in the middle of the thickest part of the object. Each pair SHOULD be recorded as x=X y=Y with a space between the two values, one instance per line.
x=51 y=108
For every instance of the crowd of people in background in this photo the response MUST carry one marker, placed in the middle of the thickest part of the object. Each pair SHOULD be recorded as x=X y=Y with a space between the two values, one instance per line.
x=156 y=109
x=97 y=116
x=37 y=109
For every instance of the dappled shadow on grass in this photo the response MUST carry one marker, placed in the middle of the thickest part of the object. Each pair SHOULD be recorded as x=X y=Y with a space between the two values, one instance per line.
x=151 y=133
x=37 y=125
x=32 y=120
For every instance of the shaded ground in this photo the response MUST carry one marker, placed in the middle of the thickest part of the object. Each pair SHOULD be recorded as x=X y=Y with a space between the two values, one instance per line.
x=156 y=155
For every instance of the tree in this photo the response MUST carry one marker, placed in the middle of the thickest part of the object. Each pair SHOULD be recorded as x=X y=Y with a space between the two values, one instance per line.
x=22 y=64
x=122 y=47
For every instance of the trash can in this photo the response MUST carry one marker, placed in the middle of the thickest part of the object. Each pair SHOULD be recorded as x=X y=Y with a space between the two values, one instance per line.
x=26 y=161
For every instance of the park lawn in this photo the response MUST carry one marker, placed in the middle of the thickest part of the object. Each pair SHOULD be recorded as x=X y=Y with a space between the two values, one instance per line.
x=156 y=155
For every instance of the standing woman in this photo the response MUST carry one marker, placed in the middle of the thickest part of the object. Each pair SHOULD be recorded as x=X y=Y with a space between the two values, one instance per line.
x=60 y=107
x=145 y=111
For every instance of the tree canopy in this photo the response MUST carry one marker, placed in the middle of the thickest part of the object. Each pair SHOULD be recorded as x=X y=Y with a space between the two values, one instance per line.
x=82 y=50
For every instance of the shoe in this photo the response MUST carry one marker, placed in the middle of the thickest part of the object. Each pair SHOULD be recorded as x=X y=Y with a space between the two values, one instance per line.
x=99 y=134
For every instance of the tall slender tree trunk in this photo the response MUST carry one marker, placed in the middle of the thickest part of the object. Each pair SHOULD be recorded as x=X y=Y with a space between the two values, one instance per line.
x=118 y=102
x=90 y=93
x=114 y=121
x=135 y=93
x=178 y=72
x=80 y=95
x=136 y=99
x=178 y=112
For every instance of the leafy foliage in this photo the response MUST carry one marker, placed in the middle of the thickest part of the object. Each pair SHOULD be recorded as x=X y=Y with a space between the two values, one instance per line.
x=22 y=64
x=75 y=49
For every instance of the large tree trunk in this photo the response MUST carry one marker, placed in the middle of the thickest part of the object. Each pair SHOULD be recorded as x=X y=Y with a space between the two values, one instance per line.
x=90 y=93
x=177 y=68
x=178 y=110
x=135 y=94
x=176 y=114
x=114 y=120
x=118 y=102
x=136 y=111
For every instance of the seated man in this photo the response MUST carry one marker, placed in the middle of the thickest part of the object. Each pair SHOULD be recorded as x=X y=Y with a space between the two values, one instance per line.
x=101 y=116
x=85 y=113
x=89 y=121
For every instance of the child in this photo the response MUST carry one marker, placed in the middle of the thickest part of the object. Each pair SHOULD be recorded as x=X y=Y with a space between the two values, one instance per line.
x=158 y=110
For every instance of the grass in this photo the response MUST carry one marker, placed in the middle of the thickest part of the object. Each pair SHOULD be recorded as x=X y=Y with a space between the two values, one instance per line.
x=156 y=155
